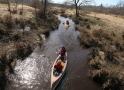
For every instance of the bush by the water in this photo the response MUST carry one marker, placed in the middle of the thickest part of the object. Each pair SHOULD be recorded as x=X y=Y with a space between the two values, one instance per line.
x=23 y=47
x=107 y=67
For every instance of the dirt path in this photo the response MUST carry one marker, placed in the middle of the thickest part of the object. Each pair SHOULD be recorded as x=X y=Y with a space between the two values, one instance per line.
x=112 y=21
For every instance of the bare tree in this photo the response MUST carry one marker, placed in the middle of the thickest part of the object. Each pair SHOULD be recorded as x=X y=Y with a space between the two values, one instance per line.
x=44 y=5
x=16 y=4
x=78 y=3
x=101 y=8
x=120 y=4
x=22 y=6
x=8 y=3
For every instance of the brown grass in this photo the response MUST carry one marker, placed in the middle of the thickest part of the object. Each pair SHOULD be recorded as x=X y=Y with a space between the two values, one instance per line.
x=108 y=67
x=8 y=21
x=23 y=47
x=16 y=43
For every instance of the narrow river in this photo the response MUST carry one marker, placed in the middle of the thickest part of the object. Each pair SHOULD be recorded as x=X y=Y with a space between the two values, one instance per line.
x=34 y=72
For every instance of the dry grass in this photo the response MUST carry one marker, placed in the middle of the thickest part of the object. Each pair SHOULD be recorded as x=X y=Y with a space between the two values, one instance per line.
x=20 y=44
x=23 y=47
x=108 y=67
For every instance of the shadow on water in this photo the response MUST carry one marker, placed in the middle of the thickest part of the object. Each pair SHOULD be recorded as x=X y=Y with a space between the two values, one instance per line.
x=34 y=72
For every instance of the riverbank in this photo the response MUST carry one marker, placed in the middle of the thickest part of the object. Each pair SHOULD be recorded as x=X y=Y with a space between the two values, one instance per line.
x=19 y=35
x=106 y=46
x=103 y=35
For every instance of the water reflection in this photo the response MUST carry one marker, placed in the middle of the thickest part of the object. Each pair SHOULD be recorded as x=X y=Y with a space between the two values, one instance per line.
x=32 y=73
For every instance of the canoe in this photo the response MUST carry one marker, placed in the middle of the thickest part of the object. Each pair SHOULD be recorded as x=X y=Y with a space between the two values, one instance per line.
x=56 y=79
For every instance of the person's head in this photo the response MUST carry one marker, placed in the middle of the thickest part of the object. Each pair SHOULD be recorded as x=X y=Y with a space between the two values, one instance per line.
x=59 y=62
x=63 y=47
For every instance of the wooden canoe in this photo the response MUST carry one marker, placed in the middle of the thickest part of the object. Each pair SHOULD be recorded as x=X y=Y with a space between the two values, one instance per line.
x=56 y=79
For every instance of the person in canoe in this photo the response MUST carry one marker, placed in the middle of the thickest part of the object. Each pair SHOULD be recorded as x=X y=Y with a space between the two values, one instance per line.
x=67 y=22
x=58 y=68
x=62 y=53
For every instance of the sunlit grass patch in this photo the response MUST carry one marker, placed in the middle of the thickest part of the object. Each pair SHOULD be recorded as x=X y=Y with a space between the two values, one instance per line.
x=1 y=4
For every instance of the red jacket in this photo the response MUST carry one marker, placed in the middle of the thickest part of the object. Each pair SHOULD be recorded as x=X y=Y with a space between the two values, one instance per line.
x=58 y=66
x=62 y=52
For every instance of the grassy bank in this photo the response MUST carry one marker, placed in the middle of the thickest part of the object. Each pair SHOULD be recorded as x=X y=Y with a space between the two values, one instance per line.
x=19 y=35
x=106 y=47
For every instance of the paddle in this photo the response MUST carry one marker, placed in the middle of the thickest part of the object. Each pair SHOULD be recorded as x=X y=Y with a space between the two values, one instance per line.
x=57 y=52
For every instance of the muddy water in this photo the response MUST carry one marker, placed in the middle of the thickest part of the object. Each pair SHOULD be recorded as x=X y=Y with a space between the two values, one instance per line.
x=34 y=72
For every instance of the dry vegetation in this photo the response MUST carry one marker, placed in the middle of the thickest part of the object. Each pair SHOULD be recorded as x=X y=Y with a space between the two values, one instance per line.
x=19 y=35
x=106 y=44
x=104 y=36
x=100 y=35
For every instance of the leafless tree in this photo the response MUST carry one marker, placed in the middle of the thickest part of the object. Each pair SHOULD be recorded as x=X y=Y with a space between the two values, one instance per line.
x=101 y=7
x=8 y=3
x=44 y=5
x=16 y=4
x=22 y=5
x=120 y=4
x=35 y=4
x=78 y=3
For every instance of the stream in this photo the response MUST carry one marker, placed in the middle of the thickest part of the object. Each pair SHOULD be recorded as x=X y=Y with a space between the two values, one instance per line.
x=33 y=73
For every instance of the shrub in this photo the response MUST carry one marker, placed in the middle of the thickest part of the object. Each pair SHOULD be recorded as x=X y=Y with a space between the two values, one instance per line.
x=21 y=12
x=23 y=48
x=2 y=30
x=8 y=21
x=40 y=13
x=100 y=76
x=95 y=63
x=123 y=35
x=17 y=37
x=119 y=45
x=62 y=11
x=22 y=24
x=3 y=60
x=14 y=11
x=113 y=83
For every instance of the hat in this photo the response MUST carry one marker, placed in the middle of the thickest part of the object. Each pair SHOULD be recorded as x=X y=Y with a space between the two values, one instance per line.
x=59 y=61
x=62 y=46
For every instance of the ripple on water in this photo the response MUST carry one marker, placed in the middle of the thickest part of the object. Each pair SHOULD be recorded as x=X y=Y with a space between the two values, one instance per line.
x=31 y=73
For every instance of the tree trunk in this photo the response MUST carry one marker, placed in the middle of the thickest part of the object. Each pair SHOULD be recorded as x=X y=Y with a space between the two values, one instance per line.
x=76 y=10
x=16 y=4
x=45 y=2
x=22 y=5
x=9 y=6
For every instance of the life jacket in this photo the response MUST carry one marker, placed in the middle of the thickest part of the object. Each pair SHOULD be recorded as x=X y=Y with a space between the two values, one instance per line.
x=62 y=63
x=62 y=52
x=58 y=66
